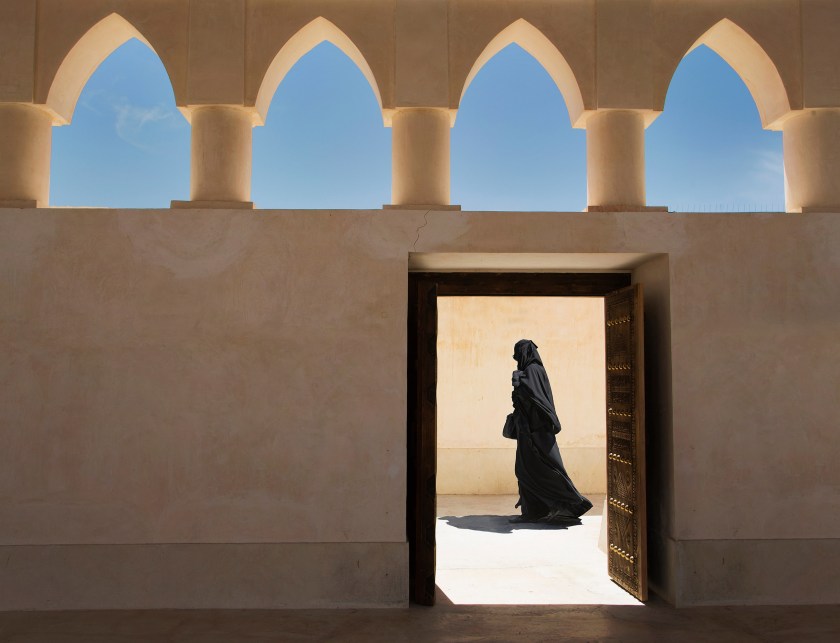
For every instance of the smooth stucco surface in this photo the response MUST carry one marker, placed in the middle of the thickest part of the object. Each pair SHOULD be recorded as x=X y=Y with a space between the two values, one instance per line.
x=191 y=394
x=196 y=377
x=475 y=347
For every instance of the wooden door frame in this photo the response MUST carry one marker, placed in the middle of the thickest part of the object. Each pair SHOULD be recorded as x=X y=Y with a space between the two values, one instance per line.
x=423 y=290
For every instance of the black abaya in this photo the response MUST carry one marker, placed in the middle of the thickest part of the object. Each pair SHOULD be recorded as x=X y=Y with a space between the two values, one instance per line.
x=545 y=489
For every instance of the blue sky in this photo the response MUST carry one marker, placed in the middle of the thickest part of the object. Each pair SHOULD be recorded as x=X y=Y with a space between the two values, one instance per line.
x=324 y=145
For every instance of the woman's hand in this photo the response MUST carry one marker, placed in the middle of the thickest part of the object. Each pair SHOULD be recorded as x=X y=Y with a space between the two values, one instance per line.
x=515 y=378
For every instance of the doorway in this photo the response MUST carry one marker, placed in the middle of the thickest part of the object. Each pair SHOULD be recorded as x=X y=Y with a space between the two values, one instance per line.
x=624 y=400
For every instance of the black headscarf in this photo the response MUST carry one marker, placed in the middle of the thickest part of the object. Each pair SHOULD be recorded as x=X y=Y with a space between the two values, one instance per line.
x=534 y=380
x=525 y=353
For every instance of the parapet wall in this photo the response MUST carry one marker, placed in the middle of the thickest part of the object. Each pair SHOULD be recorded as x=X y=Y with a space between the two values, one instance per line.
x=208 y=409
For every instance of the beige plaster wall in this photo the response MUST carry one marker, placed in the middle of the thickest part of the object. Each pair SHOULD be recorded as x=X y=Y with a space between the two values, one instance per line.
x=230 y=378
x=820 y=52
x=773 y=25
x=475 y=343
x=620 y=53
x=178 y=385
x=473 y=24
x=165 y=372
x=62 y=25
x=17 y=53
x=369 y=24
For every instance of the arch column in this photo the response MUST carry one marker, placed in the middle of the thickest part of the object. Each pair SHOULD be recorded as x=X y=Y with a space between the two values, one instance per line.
x=615 y=161
x=811 y=140
x=420 y=158
x=221 y=157
x=25 y=149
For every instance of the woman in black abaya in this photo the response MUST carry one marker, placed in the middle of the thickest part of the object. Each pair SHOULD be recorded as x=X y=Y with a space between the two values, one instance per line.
x=545 y=490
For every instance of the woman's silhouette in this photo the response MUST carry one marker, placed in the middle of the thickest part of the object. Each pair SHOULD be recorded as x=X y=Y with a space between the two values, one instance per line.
x=546 y=492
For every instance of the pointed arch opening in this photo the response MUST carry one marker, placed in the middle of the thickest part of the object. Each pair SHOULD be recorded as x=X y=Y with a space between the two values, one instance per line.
x=128 y=144
x=512 y=147
x=708 y=151
x=323 y=145
x=755 y=67
x=534 y=42
x=307 y=38
x=91 y=50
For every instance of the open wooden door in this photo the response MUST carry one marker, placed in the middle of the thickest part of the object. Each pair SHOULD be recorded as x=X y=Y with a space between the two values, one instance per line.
x=626 y=510
x=422 y=440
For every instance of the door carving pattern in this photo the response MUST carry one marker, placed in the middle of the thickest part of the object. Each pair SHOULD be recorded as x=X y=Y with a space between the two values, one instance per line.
x=626 y=517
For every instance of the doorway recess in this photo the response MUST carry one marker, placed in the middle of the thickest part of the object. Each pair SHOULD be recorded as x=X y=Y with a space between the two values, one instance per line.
x=625 y=415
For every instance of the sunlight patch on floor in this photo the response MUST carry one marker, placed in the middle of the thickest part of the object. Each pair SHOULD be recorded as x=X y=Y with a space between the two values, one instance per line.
x=482 y=559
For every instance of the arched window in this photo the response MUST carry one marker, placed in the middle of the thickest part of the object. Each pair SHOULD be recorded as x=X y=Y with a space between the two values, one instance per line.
x=127 y=144
x=513 y=147
x=708 y=152
x=324 y=144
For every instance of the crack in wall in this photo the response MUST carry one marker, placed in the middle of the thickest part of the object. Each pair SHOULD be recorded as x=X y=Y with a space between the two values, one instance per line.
x=425 y=223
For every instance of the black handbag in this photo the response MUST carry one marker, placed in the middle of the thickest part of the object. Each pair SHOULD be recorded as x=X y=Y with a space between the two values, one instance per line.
x=509 y=430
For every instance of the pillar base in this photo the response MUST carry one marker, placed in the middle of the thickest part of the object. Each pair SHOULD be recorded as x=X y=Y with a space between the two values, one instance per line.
x=819 y=209
x=212 y=205
x=18 y=203
x=420 y=206
x=627 y=208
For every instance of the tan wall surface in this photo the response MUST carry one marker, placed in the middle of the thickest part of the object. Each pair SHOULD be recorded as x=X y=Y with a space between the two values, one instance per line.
x=475 y=347
x=239 y=377
x=61 y=25
x=368 y=23
x=214 y=379
x=17 y=53
x=168 y=370
x=420 y=52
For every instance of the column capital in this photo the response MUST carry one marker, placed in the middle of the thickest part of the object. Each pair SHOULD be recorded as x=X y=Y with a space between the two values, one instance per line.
x=389 y=114
x=780 y=123
x=587 y=117
x=189 y=111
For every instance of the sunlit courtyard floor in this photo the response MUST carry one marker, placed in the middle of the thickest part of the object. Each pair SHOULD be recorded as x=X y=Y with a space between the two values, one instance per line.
x=482 y=559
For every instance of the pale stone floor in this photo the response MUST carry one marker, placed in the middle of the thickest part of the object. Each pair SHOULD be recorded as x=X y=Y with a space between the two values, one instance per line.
x=483 y=559
x=478 y=560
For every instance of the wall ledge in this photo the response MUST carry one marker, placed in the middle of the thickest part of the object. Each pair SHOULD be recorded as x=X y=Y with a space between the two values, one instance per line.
x=204 y=576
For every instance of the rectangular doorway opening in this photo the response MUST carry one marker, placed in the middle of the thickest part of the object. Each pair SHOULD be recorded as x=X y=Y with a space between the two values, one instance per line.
x=462 y=488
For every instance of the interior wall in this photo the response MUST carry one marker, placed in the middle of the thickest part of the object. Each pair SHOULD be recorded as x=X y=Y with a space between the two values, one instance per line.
x=475 y=347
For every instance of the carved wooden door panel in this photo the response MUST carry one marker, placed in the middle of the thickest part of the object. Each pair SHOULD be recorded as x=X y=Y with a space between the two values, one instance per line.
x=626 y=511
x=422 y=441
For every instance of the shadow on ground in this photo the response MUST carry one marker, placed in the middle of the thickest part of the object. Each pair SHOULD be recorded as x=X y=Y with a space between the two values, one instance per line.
x=502 y=524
